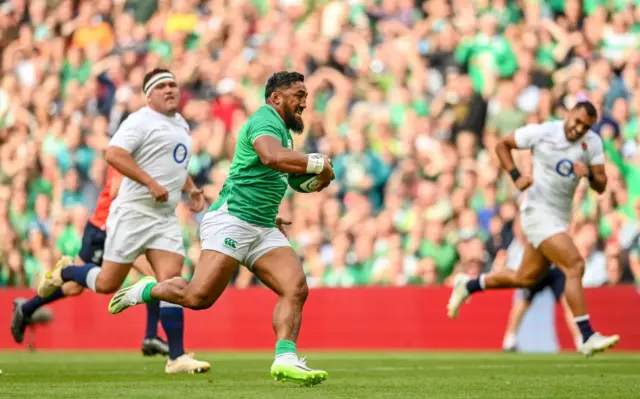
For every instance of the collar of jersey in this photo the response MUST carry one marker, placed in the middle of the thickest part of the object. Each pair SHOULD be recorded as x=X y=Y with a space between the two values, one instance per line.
x=173 y=119
x=271 y=109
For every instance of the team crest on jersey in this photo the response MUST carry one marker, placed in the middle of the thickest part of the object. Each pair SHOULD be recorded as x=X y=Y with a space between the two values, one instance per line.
x=289 y=143
x=584 y=145
x=180 y=153
x=564 y=167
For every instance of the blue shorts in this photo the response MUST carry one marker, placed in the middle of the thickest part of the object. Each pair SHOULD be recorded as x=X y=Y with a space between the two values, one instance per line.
x=553 y=278
x=93 y=240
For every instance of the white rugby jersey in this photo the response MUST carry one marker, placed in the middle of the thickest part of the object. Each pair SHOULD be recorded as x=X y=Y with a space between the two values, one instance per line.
x=161 y=146
x=554 y=183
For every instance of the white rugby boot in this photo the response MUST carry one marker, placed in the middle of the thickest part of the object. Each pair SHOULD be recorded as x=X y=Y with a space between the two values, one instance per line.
x=459 y=294
x=598 y=343
x=53 y=280
x=186 y=364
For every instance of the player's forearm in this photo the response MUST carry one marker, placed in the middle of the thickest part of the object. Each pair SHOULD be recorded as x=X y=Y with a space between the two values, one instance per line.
x=287 y=161
x=124 y=163
x=503 y=151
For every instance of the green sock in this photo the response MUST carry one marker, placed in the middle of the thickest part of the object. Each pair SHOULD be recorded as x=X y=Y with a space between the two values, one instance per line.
x=146 y=292
x=285 y=346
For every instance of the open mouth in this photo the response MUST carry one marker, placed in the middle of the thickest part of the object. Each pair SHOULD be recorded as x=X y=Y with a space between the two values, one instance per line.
x=298 y=112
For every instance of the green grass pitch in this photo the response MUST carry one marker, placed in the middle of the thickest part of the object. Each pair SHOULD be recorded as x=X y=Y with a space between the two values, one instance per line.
x=351 y=375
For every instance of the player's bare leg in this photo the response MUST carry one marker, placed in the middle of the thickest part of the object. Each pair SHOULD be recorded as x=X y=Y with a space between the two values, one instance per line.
x=516 y=314
x=212 y=274
x=561 y=250
x=281 y=271
x=210 y=278
x=103 y=279
x=289 y=282
x=531 y=269
x=168 y=265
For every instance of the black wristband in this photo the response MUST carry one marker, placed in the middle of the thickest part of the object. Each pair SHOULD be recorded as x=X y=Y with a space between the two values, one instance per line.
x=515 y=174
x=590 y=176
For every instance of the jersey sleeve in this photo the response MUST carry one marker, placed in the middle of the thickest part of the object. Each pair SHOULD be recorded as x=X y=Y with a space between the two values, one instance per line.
x=528 y=136
x=129 y=136
x=596 y=152
x=263 y=129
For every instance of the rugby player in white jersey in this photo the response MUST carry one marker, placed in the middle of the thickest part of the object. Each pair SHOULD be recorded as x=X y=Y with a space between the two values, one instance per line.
x=151 y=149
x=511 y=258
x=563 y=152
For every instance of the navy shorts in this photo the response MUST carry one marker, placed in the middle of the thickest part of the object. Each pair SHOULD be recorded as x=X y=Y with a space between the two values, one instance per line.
x=93 y=240
x=553 y=278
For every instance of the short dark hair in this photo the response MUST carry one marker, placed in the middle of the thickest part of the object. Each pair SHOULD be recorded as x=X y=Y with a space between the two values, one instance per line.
x=589 y=107
x=152 y=73
x=281 y=80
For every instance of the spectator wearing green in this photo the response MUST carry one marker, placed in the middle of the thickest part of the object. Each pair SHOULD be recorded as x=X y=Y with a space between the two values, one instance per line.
x=488 y=55
x=630 y=169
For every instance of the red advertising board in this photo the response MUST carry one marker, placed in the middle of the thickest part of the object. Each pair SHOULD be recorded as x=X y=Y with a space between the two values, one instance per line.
x=358 y=318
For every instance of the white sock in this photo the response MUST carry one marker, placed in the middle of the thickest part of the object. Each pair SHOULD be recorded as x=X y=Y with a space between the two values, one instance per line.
x=164 y=304
x=92 y=276
x=584 y=317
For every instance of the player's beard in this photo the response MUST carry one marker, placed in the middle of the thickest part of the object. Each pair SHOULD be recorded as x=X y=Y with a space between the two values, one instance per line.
x=296 y=126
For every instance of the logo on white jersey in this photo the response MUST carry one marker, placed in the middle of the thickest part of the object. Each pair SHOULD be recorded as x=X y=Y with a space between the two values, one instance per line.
x=180 y=153
x=564 y=167
x=289 y=143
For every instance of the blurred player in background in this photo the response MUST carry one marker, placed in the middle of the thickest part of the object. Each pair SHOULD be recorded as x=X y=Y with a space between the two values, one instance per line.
x=564 y=151
x=151 y=149
x=92 y=250
x=243 y=227
x=554 y=279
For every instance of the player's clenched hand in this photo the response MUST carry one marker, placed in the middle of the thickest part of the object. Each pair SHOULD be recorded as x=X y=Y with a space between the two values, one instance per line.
x=196 y=200
x=326 y=176
x=158 y=192
x=580 y=169
x=523 y=182
x=281 y=223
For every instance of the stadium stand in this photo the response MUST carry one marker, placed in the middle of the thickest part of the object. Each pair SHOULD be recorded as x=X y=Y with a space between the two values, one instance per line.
x=407 y=97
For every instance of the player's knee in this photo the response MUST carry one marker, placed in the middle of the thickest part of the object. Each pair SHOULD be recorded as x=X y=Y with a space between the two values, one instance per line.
x=299 y=290
x=197 y=301
x=574 y=268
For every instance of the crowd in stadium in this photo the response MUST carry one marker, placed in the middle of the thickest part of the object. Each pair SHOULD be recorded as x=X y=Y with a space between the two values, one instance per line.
x=407 y=97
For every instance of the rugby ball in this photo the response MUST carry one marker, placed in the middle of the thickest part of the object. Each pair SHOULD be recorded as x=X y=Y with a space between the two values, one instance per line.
x=303 y=182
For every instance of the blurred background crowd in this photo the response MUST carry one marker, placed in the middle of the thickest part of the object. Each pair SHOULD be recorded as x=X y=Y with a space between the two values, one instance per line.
x=408 y=98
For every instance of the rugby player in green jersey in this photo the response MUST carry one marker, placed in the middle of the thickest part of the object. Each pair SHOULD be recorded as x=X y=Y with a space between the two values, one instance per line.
x=243 y=227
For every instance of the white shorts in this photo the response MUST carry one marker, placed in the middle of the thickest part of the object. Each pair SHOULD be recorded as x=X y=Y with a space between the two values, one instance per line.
x=238 y=239
x=540 y=224
x=131 y=232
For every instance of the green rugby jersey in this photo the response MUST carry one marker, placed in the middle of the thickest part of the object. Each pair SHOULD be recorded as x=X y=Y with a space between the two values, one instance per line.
x=253 y=191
